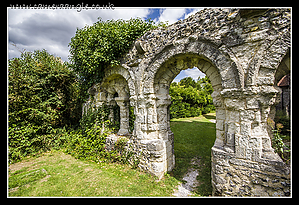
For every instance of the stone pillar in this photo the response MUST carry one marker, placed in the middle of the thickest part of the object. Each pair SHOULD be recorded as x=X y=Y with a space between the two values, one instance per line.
x=164 y=129
x=245 y=163
x=123 y=103
x=111 y=104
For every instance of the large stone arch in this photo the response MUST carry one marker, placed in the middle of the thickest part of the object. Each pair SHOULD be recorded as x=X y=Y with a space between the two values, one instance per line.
x=168 y=70
x=230 y=74
x=240 y=51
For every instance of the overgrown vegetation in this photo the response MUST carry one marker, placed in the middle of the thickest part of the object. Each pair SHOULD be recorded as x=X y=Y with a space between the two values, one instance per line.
x=191 y=98
x=46 y=95
x=42 y=95
x=93 y=48
x=88 y=141
x=281 y=135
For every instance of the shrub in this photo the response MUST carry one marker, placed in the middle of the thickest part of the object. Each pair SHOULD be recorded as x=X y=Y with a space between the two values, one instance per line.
x=89 y=141
x=26 y=140
x=41 y=93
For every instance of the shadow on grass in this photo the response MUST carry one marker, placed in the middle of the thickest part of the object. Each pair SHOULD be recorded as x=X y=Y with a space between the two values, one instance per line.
x=194 y=139
x=209 y=116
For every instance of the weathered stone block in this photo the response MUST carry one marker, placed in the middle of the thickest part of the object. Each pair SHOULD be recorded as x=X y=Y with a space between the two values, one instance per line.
x=155 y=145
x=220 y=125
x=234 y=104
x=245 y=128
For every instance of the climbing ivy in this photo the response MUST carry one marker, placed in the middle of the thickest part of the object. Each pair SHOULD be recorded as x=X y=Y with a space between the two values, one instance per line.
x=95 y=47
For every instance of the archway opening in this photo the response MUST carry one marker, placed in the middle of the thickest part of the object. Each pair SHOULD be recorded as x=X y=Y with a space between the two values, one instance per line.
x=117 y=97
x=188 y=145
x=279 y=124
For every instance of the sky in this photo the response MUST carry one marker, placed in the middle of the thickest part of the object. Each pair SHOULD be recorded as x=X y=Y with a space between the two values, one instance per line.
x=52 y=29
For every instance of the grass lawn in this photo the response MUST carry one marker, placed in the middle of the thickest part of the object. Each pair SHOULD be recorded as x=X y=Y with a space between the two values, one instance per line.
x=194 y=137
x=57 y=174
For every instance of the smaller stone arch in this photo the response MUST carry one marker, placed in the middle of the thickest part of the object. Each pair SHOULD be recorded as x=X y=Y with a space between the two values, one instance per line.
x=110 y=71
x=117 y=90
x=113 y=90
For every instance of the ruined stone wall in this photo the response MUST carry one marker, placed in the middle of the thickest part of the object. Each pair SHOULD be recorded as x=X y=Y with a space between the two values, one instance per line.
x=240 y=51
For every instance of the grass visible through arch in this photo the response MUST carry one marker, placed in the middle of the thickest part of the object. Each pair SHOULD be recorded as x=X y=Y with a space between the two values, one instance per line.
x=194 y=137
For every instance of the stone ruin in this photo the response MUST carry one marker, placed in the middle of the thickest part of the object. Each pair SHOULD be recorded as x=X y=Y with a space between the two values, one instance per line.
x=240 y=51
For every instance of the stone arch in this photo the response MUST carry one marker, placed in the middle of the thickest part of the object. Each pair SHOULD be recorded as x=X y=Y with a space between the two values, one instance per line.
x=116 y=88
x=163 y=78
x=231 y=76
x=110 y=71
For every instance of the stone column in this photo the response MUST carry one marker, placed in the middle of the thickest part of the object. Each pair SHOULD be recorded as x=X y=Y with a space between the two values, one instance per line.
x=164 y=129
x=123 y=103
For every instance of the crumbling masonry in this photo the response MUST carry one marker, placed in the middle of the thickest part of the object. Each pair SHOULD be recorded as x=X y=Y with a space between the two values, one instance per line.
x=240 y=51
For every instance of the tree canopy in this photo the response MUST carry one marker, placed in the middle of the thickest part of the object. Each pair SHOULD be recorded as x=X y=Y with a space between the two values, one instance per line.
x=95 y=47
x=191 y=98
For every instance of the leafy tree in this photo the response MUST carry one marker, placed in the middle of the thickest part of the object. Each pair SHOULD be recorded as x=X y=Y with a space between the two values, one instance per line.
x=41 y=94
x=188 y=81
x=96 y=47
x=190 y=98
x=205 y=84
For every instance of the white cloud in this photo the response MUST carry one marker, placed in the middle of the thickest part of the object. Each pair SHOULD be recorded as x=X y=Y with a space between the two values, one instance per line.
x=193 y=11
x=49 y=29
x=171 y=15
x=33 y=29
x=193 y=73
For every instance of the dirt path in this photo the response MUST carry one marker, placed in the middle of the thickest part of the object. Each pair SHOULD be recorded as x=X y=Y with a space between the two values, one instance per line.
x=185 y=189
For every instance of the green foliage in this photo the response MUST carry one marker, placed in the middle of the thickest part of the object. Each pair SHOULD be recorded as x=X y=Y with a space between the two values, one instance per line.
x=96 y=47
x=26 y=140
x=88 y=141
x=281 y=117
x=190 y=98
x=279 y=140
x=41 y=90
x=41 y=94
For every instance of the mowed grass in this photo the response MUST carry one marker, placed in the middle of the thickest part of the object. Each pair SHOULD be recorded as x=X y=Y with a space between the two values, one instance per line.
x=57 y=174
x=194 y=137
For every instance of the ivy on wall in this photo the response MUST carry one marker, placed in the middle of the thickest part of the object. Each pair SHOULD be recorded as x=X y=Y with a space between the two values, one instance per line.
x=93 y=48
